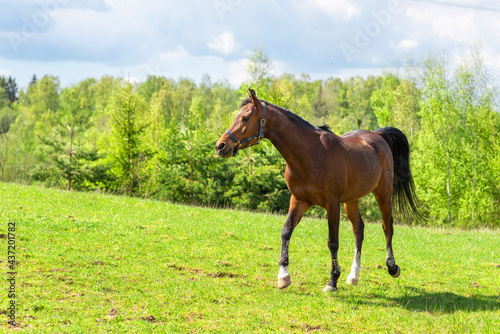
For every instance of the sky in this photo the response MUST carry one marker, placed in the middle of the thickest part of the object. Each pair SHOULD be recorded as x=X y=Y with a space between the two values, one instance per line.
x=77 y=39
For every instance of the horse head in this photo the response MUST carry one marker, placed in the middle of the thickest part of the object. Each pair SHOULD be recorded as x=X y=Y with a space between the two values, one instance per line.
x=247 y=128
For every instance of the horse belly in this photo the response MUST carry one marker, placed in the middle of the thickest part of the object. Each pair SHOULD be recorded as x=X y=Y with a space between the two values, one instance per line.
x=311 y=188
x=362 y=177
x=359 y=188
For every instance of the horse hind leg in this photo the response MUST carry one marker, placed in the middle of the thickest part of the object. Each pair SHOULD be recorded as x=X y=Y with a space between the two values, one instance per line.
x=358 y=227
x=384 y=200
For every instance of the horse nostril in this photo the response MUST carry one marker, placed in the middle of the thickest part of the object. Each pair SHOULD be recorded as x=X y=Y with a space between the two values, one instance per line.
x=221 y=147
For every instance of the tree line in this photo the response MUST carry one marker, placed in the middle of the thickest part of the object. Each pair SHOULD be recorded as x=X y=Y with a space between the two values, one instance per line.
x=156 y=139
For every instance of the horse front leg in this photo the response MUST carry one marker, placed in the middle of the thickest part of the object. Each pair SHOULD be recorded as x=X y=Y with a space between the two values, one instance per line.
x=333 y=212
x=295 y=213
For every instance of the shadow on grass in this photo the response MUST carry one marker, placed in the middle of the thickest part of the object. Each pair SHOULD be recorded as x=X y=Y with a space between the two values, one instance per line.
x=419 y=300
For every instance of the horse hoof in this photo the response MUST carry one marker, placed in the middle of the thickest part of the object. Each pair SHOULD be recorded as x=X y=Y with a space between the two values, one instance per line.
x=352 y=280
x=284 y=282
x=328 y=288
x=398 y=272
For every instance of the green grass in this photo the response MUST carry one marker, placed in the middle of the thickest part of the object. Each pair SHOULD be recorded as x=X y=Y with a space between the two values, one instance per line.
x=90 y=263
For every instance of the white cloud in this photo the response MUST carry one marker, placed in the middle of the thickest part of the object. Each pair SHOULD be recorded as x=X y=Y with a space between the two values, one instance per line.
x=457 y=24
x=181 y=63
x=460 y=28
x=225 y=43
x=406 y=44
x=188 y=39
x=337 y=9
x=178 y=53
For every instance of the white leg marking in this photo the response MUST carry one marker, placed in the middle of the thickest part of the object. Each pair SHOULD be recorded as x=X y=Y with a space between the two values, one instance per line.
x=283 y=272
x=328 y=288
x=284 y=278
x=283 y=275
x=355 y=268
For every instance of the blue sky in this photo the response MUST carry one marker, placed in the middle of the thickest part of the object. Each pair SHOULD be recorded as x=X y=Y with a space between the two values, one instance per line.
x=77 y=39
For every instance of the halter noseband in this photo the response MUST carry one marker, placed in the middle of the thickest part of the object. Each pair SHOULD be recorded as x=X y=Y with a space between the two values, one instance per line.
x=259 y=135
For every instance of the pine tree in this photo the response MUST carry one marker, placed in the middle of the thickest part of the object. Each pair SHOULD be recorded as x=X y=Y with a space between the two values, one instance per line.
x=127 y=109
x=73 y=161
x=11 y=90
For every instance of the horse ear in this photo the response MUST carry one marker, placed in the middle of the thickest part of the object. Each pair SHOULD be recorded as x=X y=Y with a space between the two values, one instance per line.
x=254 y=98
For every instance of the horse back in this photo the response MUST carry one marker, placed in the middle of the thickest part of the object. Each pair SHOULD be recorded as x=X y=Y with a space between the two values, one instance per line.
x=366 y=150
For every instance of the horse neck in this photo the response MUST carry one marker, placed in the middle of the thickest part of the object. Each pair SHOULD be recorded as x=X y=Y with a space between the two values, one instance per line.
x=294 y=140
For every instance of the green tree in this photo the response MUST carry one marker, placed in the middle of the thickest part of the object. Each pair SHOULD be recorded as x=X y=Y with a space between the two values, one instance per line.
x=281 y=91
x=127 y=111
x=7 y=118
x=153 y=85
x=35 y=114
x=74 y=162
x=83 y=172
x=190 y=172
x=437 y=140
x=456 y=143
x=8 y=91
x=396 y=103
x=259 y=74
x=480 y=127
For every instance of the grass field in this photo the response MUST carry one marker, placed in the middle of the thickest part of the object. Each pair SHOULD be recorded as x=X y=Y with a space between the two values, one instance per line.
x=90 y=263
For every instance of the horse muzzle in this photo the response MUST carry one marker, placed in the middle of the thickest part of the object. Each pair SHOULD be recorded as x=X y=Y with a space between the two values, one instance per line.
x=224 y=150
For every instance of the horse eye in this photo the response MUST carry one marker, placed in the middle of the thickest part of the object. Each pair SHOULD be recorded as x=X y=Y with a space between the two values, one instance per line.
x=245 y=119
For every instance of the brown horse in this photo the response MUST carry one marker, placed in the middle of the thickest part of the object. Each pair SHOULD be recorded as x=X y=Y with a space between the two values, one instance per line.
x=324 y=169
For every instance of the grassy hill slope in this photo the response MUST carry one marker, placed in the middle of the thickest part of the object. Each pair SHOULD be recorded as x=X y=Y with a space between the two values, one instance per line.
x=98 y=263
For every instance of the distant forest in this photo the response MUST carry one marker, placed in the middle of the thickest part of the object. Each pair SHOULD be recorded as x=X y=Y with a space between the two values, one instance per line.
x=156 y=139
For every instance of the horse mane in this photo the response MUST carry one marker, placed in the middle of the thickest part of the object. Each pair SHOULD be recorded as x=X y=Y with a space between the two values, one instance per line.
x=292 y=116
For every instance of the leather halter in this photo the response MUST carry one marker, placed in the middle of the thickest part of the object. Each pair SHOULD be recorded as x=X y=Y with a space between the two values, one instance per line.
x=259 y=135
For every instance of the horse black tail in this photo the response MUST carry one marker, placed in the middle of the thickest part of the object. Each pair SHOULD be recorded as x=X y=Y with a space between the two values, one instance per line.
x=404 y=196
